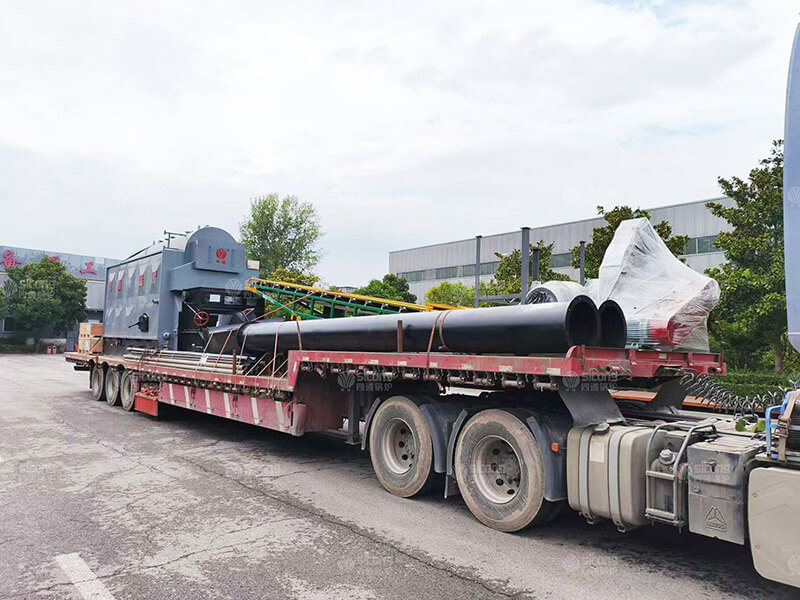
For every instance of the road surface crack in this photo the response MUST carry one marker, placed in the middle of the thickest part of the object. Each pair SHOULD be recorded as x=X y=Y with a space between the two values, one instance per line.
x=358 y=531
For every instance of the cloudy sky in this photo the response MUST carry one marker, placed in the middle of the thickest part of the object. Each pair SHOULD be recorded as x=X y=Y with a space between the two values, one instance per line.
x=405 y=123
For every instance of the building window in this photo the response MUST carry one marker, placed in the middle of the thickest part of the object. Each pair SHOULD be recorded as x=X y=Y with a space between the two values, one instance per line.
x=707 y=244
x=701 y=245
x=9 y=325
x=558 y=261
x=489 y=268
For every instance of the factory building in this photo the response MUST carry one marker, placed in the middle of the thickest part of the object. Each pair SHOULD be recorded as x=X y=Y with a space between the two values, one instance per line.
x=427 y=266
x=90 y=268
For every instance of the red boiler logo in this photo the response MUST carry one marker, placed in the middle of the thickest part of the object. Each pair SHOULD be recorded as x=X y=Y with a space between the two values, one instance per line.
x=222 y=255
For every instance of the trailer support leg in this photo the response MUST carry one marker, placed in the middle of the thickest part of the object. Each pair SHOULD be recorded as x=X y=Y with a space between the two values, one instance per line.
x=354 y=410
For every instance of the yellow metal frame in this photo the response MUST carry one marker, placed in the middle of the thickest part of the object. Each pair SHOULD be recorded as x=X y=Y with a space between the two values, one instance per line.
x=419 y=307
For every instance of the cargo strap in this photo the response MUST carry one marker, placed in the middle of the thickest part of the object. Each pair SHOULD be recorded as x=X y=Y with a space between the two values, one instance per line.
x=437 y=323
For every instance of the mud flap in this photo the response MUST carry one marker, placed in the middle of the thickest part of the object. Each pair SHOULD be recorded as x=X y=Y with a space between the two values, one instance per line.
x=590 y=408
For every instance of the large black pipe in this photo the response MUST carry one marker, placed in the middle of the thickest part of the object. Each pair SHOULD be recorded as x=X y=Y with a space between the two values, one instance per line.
x=521 y=330
x=613 y=327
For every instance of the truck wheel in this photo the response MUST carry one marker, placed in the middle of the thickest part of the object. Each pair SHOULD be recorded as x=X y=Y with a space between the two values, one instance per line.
x=127 y=391
x=500 y=472
x=400 y=448
x=98 y=382
x=112 y=386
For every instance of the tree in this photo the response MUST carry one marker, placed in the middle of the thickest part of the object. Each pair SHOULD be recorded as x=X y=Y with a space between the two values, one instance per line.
x=282 y=233
x=602 y=236
x=751 y=315
x=451 y=293
x=507 y=278
x=42 y=296
x=294 y=276
x=391 y=287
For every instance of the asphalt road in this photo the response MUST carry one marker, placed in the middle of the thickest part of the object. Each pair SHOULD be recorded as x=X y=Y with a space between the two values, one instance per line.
x=99 y=503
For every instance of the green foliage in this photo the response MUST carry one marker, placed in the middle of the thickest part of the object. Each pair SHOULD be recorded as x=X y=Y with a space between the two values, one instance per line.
x=294 y=276
x=602 y=236
x=15 y=344
x=16 y=349
x=452 y=294
x=391 y=287
x=759 y=426
x=507 y=278
x=751 y=316
x=282 y=233
x=755 y=383
x=769 y=379
x=43 y=295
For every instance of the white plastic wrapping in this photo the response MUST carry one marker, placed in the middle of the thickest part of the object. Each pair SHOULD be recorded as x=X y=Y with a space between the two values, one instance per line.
x=666 y=303
x=553 y=291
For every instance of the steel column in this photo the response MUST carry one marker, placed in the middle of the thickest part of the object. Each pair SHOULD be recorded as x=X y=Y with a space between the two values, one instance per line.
x=525 y=256
x=583 y=262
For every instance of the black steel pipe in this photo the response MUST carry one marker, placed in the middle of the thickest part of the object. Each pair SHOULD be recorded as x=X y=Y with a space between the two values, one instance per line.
x=613 y=327
x=521 y=330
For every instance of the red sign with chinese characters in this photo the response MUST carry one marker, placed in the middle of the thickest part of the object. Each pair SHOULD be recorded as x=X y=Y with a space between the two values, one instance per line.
x=222 y=255
x=89 y=269
x=9 y=260
x=141 y=280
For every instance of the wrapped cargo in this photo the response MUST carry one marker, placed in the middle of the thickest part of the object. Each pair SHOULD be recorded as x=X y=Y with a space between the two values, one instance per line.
x=666 y=303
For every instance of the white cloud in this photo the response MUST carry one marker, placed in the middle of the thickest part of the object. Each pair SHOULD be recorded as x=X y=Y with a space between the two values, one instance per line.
x=405 y=124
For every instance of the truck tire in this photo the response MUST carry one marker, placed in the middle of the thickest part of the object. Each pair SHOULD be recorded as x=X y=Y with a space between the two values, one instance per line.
x=98 y=382
x=127 y=390
x=400 y=448
x=112 y=386
x=500 y=472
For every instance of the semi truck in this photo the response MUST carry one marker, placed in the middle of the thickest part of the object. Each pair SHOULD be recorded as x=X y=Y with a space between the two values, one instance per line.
x=515 y=409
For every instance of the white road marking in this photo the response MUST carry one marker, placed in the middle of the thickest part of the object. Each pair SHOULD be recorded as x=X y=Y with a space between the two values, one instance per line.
x=82 y=577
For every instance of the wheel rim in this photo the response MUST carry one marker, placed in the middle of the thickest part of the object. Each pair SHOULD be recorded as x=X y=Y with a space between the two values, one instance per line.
x=112 y=387
x=97 y=382
x=496 y=469
x=126 y=391
x=399 y=446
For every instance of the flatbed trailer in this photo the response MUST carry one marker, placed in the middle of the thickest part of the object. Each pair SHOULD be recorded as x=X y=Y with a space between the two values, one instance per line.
x=314 y=390
x=534 y=434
